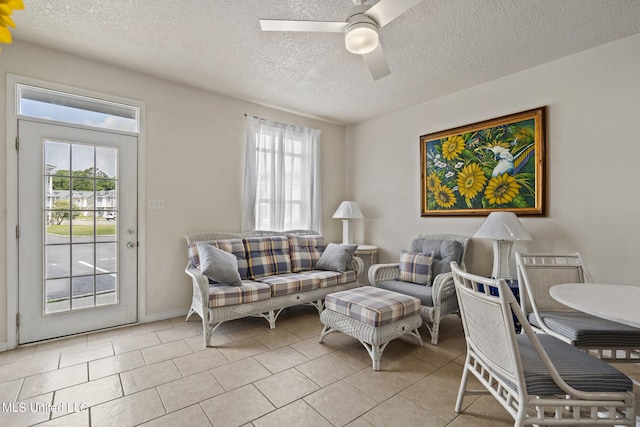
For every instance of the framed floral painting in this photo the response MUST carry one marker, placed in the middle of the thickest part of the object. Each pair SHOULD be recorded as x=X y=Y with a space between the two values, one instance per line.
x=498 y=164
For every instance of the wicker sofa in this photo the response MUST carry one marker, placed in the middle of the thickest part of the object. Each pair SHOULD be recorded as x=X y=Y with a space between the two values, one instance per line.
x=438 y=296
x=276 y=270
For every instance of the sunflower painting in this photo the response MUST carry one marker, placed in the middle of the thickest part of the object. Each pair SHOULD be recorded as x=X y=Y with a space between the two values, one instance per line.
x=497 y=164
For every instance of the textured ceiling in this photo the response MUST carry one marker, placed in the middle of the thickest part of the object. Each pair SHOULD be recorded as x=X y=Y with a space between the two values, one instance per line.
x=437 y=48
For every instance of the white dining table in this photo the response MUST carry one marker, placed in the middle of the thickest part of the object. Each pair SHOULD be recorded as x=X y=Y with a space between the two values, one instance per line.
x=619 y=303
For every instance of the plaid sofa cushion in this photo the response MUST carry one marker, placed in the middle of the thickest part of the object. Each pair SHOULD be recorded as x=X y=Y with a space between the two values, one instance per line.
x=305 y=252
x=267 y=255
x=415 y=267
x=234 y=246
x=222 y=295
x=285 y=284
x=332 y=278
x=373 y=306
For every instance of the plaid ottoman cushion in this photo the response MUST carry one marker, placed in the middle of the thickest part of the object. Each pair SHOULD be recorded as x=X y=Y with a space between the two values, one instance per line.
x=373 y=306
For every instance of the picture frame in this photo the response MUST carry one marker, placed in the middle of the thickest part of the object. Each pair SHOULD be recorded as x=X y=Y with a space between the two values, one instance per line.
x=493 y=165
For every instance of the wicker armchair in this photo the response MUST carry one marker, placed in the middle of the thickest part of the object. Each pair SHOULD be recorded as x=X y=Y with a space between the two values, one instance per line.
x=537 y=378
x=607 y=340
x=437 y=299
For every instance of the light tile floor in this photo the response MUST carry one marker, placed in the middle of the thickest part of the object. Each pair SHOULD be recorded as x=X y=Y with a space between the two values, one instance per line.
x=161 y=374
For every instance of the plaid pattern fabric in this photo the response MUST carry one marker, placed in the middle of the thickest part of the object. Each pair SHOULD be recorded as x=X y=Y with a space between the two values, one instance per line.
x=332 y=278
x=415 y=267
x=305 y=252
x=373 y=306
x=285 y=284
x=233 y=246
x=222 y=295
x=267 y=255
x=194 y=257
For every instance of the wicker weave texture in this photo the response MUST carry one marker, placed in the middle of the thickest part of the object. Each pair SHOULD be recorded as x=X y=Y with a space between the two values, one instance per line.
x=269 y=308
x=444 y=295
x=495 y=358
x=208 y=236
x=367 y=333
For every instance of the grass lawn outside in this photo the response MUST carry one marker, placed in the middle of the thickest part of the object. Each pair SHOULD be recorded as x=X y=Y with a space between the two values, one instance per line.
x=82 y=230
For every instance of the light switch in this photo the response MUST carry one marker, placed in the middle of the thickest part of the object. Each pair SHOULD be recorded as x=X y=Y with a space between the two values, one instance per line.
x=156 y=203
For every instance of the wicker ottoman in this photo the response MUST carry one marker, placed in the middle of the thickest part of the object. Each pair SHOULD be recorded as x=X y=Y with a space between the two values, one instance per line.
x=373 y=316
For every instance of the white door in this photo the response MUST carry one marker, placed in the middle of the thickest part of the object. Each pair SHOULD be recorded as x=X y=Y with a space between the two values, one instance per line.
x=77 y=245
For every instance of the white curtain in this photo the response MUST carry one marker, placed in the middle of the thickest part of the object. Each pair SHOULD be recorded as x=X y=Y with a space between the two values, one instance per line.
x=282 y=177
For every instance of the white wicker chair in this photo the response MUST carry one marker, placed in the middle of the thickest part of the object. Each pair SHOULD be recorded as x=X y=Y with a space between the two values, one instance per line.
x=442 y=291
x=607 y=340
x=538 y=379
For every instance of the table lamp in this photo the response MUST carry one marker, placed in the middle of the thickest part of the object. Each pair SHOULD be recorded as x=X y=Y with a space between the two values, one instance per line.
x=347 y=211
x=504 y=228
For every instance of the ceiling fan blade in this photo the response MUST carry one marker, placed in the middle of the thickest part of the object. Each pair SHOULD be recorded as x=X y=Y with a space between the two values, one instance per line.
x=386 y=11
x=376 y=63
x=309 y=26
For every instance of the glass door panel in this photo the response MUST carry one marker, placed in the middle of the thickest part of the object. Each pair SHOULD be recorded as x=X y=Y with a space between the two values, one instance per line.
x=75 y=206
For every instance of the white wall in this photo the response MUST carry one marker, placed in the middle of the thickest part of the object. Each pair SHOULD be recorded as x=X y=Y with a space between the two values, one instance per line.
x=194 y=161
x=593 y=202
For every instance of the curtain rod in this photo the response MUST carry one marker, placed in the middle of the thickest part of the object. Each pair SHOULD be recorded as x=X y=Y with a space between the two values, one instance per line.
x=255 y=117
x=280 y=123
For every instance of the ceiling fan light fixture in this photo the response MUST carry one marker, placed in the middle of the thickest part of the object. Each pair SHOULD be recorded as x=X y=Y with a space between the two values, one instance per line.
x=361 y=38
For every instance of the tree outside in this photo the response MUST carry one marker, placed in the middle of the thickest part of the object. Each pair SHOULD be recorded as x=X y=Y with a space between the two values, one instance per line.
x=61 y=211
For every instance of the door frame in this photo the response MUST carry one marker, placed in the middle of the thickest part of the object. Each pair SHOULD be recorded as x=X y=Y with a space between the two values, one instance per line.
x=12 y=192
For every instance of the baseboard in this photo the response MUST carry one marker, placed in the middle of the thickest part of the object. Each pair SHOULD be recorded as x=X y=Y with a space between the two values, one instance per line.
x=4 y=346
x=181 y=312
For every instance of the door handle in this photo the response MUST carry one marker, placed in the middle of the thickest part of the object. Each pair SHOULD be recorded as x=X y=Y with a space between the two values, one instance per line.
x=131 y=245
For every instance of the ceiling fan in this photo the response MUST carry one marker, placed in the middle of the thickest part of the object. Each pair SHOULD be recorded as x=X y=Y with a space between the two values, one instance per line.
x=361 y=30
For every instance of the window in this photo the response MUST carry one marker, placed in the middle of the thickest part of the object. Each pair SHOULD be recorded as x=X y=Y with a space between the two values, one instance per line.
x=282 y=177
x=70 y=108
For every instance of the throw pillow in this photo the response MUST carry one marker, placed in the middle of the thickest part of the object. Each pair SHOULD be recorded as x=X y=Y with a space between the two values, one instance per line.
x=335 y=257
x=218 y=265
x=415 y=267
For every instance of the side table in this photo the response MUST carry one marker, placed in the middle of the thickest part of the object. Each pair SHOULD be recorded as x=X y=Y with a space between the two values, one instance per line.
x=364 y=252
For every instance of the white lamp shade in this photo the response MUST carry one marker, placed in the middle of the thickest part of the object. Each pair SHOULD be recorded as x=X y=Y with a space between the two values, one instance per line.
x=361 y=38
x=348 y=210
x=502 y=226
